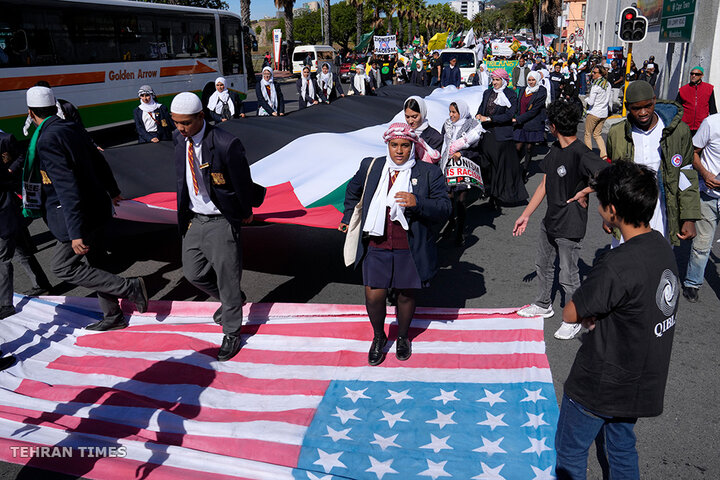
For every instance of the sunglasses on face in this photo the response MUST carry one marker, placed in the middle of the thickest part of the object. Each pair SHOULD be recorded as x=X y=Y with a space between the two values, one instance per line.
x=695 y=74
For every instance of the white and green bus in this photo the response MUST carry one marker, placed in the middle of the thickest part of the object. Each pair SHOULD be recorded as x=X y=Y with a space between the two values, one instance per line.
x=96 y=54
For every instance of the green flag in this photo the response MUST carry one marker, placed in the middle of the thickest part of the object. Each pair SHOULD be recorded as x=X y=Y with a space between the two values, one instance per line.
x=364 y=42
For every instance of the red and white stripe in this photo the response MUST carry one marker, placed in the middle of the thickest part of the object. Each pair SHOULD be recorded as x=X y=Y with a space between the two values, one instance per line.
x=157 y=389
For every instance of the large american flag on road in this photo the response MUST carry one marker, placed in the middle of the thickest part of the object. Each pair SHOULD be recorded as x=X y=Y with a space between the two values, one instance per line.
x=475 y=400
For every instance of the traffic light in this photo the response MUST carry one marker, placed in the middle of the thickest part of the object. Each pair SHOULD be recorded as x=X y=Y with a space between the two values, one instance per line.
x=633 y=27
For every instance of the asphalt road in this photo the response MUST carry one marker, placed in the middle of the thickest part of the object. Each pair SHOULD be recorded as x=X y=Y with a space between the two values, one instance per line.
x=285 y=263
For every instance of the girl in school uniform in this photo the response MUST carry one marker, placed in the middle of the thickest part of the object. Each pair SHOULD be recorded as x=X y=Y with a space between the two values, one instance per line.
x=269 y=95
x=152 y=119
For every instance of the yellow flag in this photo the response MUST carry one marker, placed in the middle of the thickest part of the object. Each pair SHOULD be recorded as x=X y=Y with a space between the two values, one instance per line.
x=515 y=45
x=438 y=41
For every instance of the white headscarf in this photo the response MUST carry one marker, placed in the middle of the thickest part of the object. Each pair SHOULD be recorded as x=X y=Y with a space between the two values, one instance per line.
x=272 y=99
x=423 y=113
x=419 y=65
x=382 y=198
x=501 y=99
x=219 y=99
x=546 y=83
x=359 y=80
x=325 y=80
x=483 y=77
x=538 y=78
x=307 y=84
x=152 y=105
x=452 y=129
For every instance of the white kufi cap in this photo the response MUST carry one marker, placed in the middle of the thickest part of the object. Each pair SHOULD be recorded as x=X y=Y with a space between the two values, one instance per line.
x=220 y=80
x=186 y=103
x=38 y=97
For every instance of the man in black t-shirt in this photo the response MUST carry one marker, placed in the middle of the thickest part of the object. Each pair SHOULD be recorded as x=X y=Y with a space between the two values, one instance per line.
x=629 y=303
x=568 y=166
x=435 y=69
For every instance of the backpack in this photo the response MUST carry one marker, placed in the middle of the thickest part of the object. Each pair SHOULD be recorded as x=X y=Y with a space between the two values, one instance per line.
x=225 y=113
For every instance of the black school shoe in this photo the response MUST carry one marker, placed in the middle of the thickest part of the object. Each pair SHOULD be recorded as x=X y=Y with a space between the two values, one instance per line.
x=691 y=294
x=403 y=348
x=106 y=325
x=6 y=362
x=229 y=348
x=376 y=355
x=139 y=296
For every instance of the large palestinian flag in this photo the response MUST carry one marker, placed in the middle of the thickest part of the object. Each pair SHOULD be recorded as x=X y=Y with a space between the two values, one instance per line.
x=305 y=159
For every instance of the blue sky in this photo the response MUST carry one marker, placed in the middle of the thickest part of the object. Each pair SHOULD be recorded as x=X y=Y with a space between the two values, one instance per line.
x=266 y=8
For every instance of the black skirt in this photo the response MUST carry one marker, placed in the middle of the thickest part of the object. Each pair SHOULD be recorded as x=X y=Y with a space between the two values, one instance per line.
x=503 y=165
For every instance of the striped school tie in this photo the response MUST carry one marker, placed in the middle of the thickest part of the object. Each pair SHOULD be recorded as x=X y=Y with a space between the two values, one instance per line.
x=191 y=162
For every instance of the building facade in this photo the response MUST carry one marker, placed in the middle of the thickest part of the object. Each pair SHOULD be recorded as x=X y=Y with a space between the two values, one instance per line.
x=468 y=8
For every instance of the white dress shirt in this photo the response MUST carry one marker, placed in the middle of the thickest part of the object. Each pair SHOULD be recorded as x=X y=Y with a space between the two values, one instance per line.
x=200 y=202
x=150 y=124
x=647 y=152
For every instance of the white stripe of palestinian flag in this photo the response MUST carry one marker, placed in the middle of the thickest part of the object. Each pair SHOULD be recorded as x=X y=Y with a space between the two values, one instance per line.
x=320 y=173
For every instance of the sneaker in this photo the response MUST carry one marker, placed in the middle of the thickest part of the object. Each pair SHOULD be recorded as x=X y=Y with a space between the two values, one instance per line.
x=691 y=294
x=567 y=331
x=536 y=311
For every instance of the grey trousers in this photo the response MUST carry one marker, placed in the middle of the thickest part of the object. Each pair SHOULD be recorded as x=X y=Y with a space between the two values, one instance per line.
x=19 y=248
x=70 y=267
x=212 y=261
x=568 y=251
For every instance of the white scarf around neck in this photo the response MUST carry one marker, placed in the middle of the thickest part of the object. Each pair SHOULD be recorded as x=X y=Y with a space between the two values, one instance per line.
x=149 y=107
x=538 y=78
x=218 y=100
x=382 y=198
x=307 y=86
x=501 y=99
x=272 y=99
x=326 y=80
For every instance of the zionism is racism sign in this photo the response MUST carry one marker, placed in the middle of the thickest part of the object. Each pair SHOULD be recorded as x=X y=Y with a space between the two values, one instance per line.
x=385 y=45
x=462 y=171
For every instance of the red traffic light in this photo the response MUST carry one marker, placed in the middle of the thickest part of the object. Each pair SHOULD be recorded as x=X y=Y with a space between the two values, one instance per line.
x=629 y=16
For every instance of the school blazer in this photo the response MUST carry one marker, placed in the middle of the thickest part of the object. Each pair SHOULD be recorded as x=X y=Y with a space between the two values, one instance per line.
x=163 y=132
x=77 y=181
x=227 y=177
x=264 y=103
x=298 y=84
x=432 y=209
x=502 y=118
x=533 y=120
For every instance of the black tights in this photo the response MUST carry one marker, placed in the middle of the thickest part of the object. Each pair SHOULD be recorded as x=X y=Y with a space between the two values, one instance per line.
x=524 y=150
x=375 y=299
x=459 y=212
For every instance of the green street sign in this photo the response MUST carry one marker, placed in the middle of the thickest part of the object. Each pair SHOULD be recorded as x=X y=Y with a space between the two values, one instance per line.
x=677 y=21
x=672 y=8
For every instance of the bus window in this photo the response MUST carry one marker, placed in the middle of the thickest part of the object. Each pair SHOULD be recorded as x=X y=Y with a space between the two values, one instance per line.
x=93 y=36
x=201 y=39
x=231 y=51
x=136 y=38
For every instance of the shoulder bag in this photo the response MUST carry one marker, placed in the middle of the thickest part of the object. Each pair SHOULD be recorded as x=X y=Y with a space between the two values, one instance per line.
x=354 y=231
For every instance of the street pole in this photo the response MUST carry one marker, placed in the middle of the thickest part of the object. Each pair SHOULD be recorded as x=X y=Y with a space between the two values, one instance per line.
x=628 y=62
x=322 y=21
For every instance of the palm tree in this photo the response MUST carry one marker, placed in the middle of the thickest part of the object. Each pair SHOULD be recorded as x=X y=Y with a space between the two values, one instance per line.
x=359 y=15
x=245 y=14
x=287 y=7
x=326 y=22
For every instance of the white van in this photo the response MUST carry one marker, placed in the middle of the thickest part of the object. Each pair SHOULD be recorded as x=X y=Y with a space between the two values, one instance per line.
x=465 y=60
x=319 y=54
